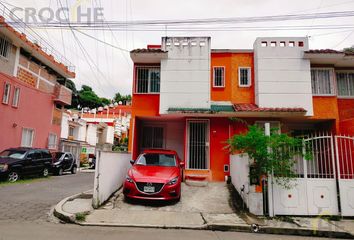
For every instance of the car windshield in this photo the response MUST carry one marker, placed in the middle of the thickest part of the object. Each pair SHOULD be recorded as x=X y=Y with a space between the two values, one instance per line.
x=57 y=155
x=157 y=159
x=17 y=154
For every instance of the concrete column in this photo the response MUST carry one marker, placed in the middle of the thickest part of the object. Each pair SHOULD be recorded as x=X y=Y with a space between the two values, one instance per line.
x=270 y=178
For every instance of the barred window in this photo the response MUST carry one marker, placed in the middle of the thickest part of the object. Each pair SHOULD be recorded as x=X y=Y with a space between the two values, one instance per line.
x=219 y=77
x=244 y=77
x=147 y=80
x=4 y=47
x=322 y=81
x=153 y=137
x=345 y=84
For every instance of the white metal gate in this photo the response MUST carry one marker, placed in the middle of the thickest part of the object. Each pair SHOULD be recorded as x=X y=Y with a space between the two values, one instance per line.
x=345 y=172
x=198 y=144
x=314 y=191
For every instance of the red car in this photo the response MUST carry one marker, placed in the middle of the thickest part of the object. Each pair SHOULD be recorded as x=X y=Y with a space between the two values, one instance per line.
x=156 y=174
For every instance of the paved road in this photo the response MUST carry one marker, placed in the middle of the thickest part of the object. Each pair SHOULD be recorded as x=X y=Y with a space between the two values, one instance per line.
x=52 y=231
x=33 y=201
x=24 y=215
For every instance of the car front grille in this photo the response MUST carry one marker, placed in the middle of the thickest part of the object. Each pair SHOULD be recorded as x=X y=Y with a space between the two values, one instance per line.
x=157 y=186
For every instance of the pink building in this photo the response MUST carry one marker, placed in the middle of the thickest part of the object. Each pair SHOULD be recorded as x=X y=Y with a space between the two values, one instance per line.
x=31 y=96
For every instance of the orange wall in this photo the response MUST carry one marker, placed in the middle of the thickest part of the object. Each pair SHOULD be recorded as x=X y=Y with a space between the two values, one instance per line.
x=326 y=108
x=346 y=108
x=219 y=133
x=232 y=92
x=221 y=60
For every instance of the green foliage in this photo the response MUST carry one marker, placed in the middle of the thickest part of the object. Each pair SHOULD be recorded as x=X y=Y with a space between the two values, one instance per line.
x=349 y=49
x=88 y=98
x=105 y=101
x=274 y=153
x=123 y=98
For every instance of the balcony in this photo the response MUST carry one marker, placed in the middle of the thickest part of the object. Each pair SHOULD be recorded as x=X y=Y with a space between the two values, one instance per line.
x=62 y=95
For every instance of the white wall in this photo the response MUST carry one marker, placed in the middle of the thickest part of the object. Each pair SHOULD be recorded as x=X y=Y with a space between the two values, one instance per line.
x=283 y=76
x=91 y=134
x=111 y=169
x=185 y=74
x=109 y=134
x=239 y=171
x=64 y=126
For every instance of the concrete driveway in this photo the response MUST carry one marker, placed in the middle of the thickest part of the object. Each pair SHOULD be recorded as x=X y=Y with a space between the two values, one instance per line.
x=198 y=207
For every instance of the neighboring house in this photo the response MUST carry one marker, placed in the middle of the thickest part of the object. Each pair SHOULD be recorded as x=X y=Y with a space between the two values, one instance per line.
x=116 y=116
x=31 y=96
x=186 y=96
x=73 y=136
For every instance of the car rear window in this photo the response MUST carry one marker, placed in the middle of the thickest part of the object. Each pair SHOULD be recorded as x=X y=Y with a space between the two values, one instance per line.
x=157 y=159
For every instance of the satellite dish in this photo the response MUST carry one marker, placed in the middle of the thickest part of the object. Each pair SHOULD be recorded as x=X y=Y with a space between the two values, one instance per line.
x=100 y=109
x=111 y=105
x=120 y=102
x=115 y=104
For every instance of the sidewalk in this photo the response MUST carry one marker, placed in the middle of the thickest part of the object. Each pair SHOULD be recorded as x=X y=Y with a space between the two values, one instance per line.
x=200 y=208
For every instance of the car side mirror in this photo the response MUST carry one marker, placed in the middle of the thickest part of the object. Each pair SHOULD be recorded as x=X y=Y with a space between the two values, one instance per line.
x=132 y=162
x=66 y=158
x=182 y=164
x=29 y=158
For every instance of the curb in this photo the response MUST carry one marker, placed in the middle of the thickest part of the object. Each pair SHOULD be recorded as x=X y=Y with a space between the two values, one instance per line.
x=65 y=216
x=71 y=218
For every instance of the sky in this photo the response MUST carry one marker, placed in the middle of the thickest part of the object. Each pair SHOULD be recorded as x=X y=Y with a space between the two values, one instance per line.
x=110 y=70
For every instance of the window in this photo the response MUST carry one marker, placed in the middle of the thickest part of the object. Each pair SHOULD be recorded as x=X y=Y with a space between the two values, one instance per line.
x=264 y=44
x=27 y=137
x=147 y=80
x=153 y=137
x=4 y=47
x=52 y=141
x=219 y=77
x=273 y=44
x=345 y=84
x=291 y=44
x=6 y=94
x=244 y=76
x=16 y=97
x=282 y=44
x=322 y=81
x=71 y=131
x=301 y=44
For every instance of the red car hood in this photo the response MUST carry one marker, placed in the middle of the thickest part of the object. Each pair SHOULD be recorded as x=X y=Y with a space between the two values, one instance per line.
x=153 y=173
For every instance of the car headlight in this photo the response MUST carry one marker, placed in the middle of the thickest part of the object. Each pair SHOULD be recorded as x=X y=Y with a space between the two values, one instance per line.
x=128 y=179
x=4 y=167
x=173 y=181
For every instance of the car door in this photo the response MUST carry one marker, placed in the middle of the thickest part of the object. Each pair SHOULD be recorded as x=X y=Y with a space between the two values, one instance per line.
x=37 y=161
x=66 y=162
x=29 y=164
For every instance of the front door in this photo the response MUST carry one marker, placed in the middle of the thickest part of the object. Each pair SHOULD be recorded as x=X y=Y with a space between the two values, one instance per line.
x=198 y=144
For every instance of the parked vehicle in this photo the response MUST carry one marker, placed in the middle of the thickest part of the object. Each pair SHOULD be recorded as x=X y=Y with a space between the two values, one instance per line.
x=92 y=161
x=64 y=162
x=20 y=162
x=156 y=174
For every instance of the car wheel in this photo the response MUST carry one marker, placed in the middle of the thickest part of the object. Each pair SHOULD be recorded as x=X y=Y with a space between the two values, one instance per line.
x=60 y=172
x=74 y=170
x=45 y=172
x=13 y=176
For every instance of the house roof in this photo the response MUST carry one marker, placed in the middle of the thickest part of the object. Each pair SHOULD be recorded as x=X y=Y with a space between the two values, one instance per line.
x=248 y=107
x=35 y=49
x=148 y=50
x=328 y=51
x=237 y=108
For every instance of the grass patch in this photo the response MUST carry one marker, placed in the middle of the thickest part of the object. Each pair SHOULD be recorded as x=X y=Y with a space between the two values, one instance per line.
x=81 y=217
x=23 y=181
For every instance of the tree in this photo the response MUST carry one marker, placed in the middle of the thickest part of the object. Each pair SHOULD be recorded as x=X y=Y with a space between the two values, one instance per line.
x=88 y=98
x=270 y=154
x=105 y=101
x=122 y=98
x=349 y=49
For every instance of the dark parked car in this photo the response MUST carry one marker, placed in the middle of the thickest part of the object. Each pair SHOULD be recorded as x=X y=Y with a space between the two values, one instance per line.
x=19 y=162
x=64 y=162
